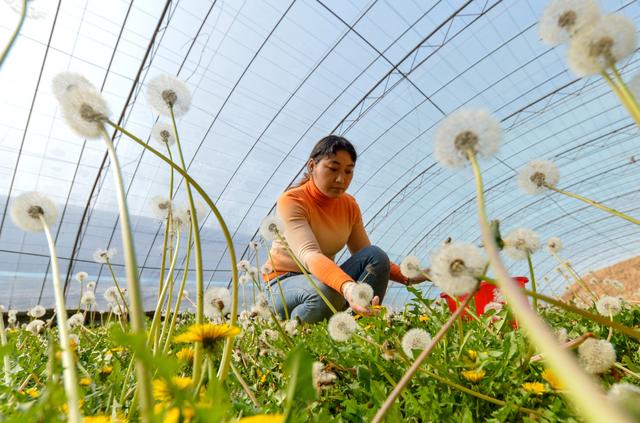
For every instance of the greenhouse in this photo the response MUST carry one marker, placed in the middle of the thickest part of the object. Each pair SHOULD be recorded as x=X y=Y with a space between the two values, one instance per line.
x=320 y=210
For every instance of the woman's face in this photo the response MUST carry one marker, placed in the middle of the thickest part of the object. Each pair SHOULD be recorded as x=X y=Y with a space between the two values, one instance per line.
x=332 y=175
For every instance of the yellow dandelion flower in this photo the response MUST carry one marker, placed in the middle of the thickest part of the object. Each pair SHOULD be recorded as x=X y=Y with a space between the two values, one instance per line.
x=185 y=354
x=33 y=392
x=207 y=333
x=369 y=326
x=472 y=354
x=473 y=375
x=65 y=407
x=97 y=419
x=85 y=381
x=162 y=391
x=117 y=349
x=536 y=388
x=263 y=418
x=106 y=371
x=423 y=318
x=552 y=380
x=176 y=415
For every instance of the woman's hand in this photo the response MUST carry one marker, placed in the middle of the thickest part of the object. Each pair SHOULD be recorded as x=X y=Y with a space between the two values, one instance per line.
x=425 y=275
x=347 y=290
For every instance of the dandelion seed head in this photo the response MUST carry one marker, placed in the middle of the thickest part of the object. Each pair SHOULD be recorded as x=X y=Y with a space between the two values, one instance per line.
x=244 y=265
x=466 y=129
x=36 y=326
x=76 y=320
x=104 y=255
x=37 y=311
x=254 y=245
x=362 y=294
x=267 y=268
x=65 y=82
x=164 y=91
x=554 y=245
x=81 y=276
x=272 y=228
x=217 y=302
x=456 y=267
x=596 y=355
x=341 y=326
x=111 y=294
x=415 y=339
x=521 y=242
x=561 y=19
x=161 y=206
x=626 y=396
x=536 y=174
x=88 y=298
x=561 y=335
x=609 y=306
x=291 y=327
x=163 y=133
x=411 y=267
x=320 y=377
x=606 y=42
x=27 y=208
x=85 y=111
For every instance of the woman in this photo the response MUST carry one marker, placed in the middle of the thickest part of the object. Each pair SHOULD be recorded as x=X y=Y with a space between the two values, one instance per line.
x=320 y=218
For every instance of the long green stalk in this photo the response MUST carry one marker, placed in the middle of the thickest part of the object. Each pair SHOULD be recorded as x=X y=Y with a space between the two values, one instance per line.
x=418 y=361
x=3 y=342
x=176 y=310
x=197 y=359
x=14 y=35
x=595 y=204
x=631 y=101
x=153 y=331
x=68 y=362
x=533 y=281
x=582 y=391
x=168 y=327
x=226 y=354
x=131 y=266
x=284 y=302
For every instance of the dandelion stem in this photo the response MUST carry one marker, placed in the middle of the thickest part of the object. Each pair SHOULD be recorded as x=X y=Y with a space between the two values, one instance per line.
x=179 y=298
x=576 y=276
x=418 y=362
x=477 y=394
x=585 y=394
x=284 y=302
x=627 y=102
x=632 y=104
x=624 y=369
x=137 y=314
x=226 y=354
x=533 y=281
x=153 y=331
x=68 y=362
x=244 y=385
x=595 y=204
x=12 y=40
x=3 y=342
x=115 y=282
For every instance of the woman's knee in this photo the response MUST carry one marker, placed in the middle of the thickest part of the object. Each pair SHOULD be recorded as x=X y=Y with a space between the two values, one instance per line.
x=378 y=256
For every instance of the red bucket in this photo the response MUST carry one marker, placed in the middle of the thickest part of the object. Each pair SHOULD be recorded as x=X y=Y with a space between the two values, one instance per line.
x=484 y=296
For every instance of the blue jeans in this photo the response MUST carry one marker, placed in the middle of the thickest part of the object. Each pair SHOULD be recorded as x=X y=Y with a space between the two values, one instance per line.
x=369 y=265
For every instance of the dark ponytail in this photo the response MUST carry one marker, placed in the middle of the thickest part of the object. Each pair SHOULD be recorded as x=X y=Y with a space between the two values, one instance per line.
x=327 y=147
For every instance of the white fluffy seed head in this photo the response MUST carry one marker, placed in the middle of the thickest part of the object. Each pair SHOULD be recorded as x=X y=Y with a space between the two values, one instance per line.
x=415 y=339
x=267 y=268
x=165 y=90
x=562 y=19
x=37 y=311
x=36 y=326
x=362 y=294
x=456 y=268
x=341 y=326
x=410 y=267
x=103 y=255
x=466 y=129
x=81 y=276
x=91 y=285
x=254 y=245
x=244 y=265
x=609 y=306
x=520 y=242
x=594 y=49
x=272 y=228
x=161 y=206
x=27 y=208
x=111 y=294
x=88 y=298
x=217 y=302
x=76 y=320
x=536 y=174
x=65 y=82
x=85 y=111
x=163 y=133
x=626 y=396
x=596 y=355
x=554 y=245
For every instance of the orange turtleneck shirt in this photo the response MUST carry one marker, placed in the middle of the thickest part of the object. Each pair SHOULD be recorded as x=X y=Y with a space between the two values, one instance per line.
x=317 y=227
